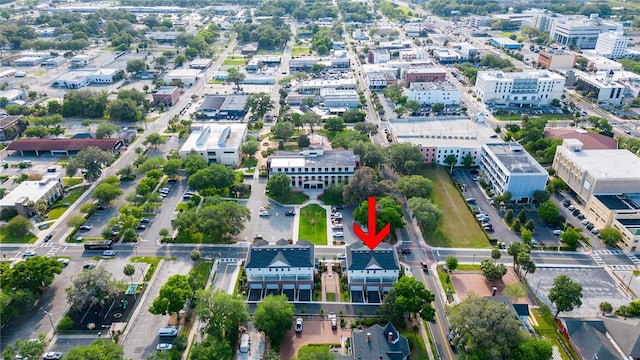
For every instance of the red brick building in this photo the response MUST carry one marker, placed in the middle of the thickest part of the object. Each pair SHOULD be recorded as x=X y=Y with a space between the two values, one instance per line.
x=168 y=95
x=429 y=74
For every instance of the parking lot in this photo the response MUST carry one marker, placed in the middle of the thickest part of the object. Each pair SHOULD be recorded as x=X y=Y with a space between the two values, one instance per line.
x=313 y=332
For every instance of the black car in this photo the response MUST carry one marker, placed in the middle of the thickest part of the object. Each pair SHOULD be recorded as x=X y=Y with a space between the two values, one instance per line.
x=576 y=212
x=141 y=228
x=290 y=213
x=145 y=221
x=47 y=238
x=589 y=227
x=405 y=251
x=580 y=217
x=566 y=203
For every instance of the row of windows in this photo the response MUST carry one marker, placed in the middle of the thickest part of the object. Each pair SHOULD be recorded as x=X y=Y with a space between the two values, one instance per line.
x=318 y=170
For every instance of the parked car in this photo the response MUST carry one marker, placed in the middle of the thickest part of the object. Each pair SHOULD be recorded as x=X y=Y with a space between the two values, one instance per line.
x=145 y=221
x=334 y=321
x=337 y=215
x=341 y=256
x=571 y=208
x=161 y=347
x=337 y=226
x=258 y=237
x=338 y=234
x=108 y=253
x=141 y=227
x=52 y=356
x=566 y=203
x=89 y=266
x=557 y=232
x=85 y=228
x=299 y=325
x=290 y=213
x=264 y=213
x=405 y=251
x=580 y=216
x=471 y=200
x=63 y=261
x=594 y=231
x=590 y=227
x=576 y=212
x=585 y=222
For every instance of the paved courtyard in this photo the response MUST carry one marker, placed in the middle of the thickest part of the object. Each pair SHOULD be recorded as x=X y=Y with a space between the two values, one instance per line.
x=313 y=332
x=471 y=282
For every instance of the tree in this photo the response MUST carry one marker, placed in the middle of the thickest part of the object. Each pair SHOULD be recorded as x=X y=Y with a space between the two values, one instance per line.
x=222 y=313
x=354 y=116
x=548 y=212
x=194 y=162
x=250 y=147
x=172 y=167
x=514 y=291
x=570 y=237
x=518 y=251
x=366 y=128
x=19 y=226
x=274 y=316
x=346 y=139
x=363 y=184
x=408 y=296
x=605 y=307
x=101 y=349
x=522 y=216
x=105 y=193
x=95 y=286
x=526 y=236
x=155 y=139
x=451 y=262
x=496 y=254
x=279 y=185
x=610 y=236
x=311 y=118
x=437 y=108
x=508 y=216
x=371 y=155
x=532 y=349
x=541 y=196
x=283 y=130
x=389 y=211
x=123 y=110
x=106 y=129
x=235 y=77
x=173 y=295
x=76 y=220
x=136 y=65
x=405 y=158
x=334 y=125
x=565 y=293
x=216 y=222
x=27 y=349
x=451 y=160
x=303 y=141
x=92 y=159
x=492 y=271
x=259 y=104
x=415 y=186
x=161 y=61
x=427 y=214
x=530 y=225
x=194 y=254
x=211 y=348
x=216 y=176
x=129 y=270
x=484 y=329
x=33 y=275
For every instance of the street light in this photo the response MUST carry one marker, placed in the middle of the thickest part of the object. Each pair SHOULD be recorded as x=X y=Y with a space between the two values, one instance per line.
x=51 y=321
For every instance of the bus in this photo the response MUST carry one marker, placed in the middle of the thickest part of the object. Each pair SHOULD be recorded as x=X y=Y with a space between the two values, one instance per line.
x=98 y=245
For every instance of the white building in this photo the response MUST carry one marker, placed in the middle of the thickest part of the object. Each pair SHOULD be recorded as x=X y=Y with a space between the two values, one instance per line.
x=314 y=168
x=371 y=273
x=200 y=64
x=579 y=30
x=48 y=189
x=188 y=77
x=105 y=76
x=612 y=44
x=606 y=89
x=532 y=87
x=333 y=98
x=281 y=268
x=216 y=143
x=340 y=60
x=378 y=56
x=378 y=80
x=429 y=93
x=314 y=86
x=508 y=167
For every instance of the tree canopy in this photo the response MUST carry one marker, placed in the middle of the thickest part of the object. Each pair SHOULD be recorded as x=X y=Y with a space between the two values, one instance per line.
x=408 y=296
x=221 y=312
x=216 y=176
x=101 y=349
x=279 y=185
x=274 y=316
x=405 y=158
x=389 y=211
x=415 y=186
x=94 y=285
x=363 y=184
x=173 y=296
x=426 y=214
x=216 y=222
x=92 y=159
x=565 y=294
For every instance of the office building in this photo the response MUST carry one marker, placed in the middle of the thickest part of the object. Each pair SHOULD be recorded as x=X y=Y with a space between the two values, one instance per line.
x=168 y=95
x=504 y=43
x=378 y=56
x=216 y=143
x=49 y=189
x=602 y=86
x=314 y=168
x=378 y=80
x=580 y=31
x=223 y=107
x=186 y=77
x=612 y=44
x=333 y=98
x=426 y=74
x=529 y=87
x=508 y=167
x=429 y=93
x=556 y=60
x=314 y=86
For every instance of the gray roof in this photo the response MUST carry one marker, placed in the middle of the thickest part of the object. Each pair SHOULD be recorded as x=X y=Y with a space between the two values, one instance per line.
x=282 y=254
x=518 y=309
x=235 y=102
x=360 y=257
x=328 y=157
x=626 y=333
x=378 y=345
x=589 y=338
x=211 y=103
x=515 y=158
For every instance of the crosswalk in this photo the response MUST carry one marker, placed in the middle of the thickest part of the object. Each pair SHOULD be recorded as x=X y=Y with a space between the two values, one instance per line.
x=229 y=260
x=607 y=252
x=634 y=259
x=622 y=267
x=596 y=257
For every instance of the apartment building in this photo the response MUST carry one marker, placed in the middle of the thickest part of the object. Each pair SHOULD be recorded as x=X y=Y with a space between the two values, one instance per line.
x=314 y=168
x=529 y=87
x=508 y=167
x=371 y=273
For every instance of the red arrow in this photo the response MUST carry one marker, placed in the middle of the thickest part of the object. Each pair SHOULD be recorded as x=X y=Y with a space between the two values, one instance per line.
x=372 y=239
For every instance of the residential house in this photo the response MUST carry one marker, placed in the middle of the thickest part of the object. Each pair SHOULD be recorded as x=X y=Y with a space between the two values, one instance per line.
x=371 y=273
x=589 y=338
x=379 y=343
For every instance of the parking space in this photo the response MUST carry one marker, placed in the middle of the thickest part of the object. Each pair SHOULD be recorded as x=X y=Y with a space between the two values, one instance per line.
x=313 y=332
x=277 y=225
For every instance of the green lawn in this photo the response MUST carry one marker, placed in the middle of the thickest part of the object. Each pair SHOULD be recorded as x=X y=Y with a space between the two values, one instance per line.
x=468 y=267
x=458 y=228
x=331 y=296
x=151 y=260
x=443 y=276
x=331 y=198
x=313 y=224
x=249 y=162
x=416 y=344
x=216 y=81
x=7 y=238
x=300 y=50
x=71 y=181
x=59 y=207
x=203 y=269
x=234 y=60
x=548 y=117
x=307 y=351
x=548 y=329
x=294 y=197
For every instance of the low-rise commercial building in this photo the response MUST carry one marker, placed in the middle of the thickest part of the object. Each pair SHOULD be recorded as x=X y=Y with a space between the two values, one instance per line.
x=480 y=21
x=281 y=268
x=446 y=56
x=314 y=168
x=28 y=61
x=529 y=87
x=556 y=60
x=602 y=86
x=187 y=77
x=426 y=74
x=314 y=86
x=11 y=127
x=504 y=43
x=508 y=167
x=61 y=147
x=216 y=143
x=224 y=107
x=168 y=95
x=340 y=60
x=371 y=273
x=303 y=64
x=49 y=189
x=429 y=93
x=333 y=98
x=378 y=80
x=200 y=64
x=378 y=56
x=55 y=62
x=82 y=60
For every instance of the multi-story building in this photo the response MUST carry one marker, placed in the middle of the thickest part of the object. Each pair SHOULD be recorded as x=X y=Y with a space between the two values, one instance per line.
x=427 y=74
x=168 y=95
x=602 y=85
x=508 y=167
x=465 y=51
x=619 y=211
x=446 y=56
x=371 y=273
x=340 y=60
x=333 y=98
x=378 y=80
x=281 y=268
x=612 y=44
x=302 y=63
x=504 y=43
x=589 y=172
x=49 y=189
x=216 y=143
x=314 y=168
x=429 y=93
x=378 y=56
x=532 y=87
x=556 y=60
x=579 y=30
x=480 y=21
x=11 y=127
x=314 y=86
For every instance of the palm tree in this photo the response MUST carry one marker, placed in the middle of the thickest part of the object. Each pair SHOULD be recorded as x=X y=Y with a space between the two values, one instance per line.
x=129 y=270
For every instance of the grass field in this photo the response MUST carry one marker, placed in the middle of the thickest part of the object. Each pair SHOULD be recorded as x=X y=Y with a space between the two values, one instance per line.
x=294 y=197
x=548 y=117
x=300 y=51
x=458 y=227
x=416 y=344
x=7 y=238
x=60 y=206
x=468 y=267
x=331 y=297
x=518 y=36
x=71 y=181
x=443 y=276
x=313 y=224
x=235 y=60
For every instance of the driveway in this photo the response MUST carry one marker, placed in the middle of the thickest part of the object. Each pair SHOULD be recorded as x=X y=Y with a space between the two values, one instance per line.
x=313 y=332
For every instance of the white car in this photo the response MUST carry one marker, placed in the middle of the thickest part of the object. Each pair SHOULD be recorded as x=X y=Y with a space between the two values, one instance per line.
x=299 y=325
x=557 y=232
x=29 y=253
x=342 y=256
x=64 y=261
x=108 y=253
x=52 y=356
x=337 y=215
x=264 y=213
x=571 y=208
x=161 y=347
x=337 y=226
x=338 y=234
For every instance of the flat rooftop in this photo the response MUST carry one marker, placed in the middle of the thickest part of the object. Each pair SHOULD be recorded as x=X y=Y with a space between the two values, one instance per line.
x=433 y=85
x=214 y=136
x=435 y=133
x=32 y=190
x=166 y=90
x=620 y=201
x=515 y=158
x=328 y=158
x=606 y=164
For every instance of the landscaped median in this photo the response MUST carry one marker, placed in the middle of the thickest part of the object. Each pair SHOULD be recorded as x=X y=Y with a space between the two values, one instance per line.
x=313 y=224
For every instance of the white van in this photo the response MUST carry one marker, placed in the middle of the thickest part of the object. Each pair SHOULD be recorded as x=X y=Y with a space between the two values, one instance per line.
x=167 y=332
x=244 y=343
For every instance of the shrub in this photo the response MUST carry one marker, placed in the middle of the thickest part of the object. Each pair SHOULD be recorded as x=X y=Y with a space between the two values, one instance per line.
x=66 y=323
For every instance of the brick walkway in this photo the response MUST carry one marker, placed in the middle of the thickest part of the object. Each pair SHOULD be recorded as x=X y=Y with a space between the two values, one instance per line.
x=330 y=283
